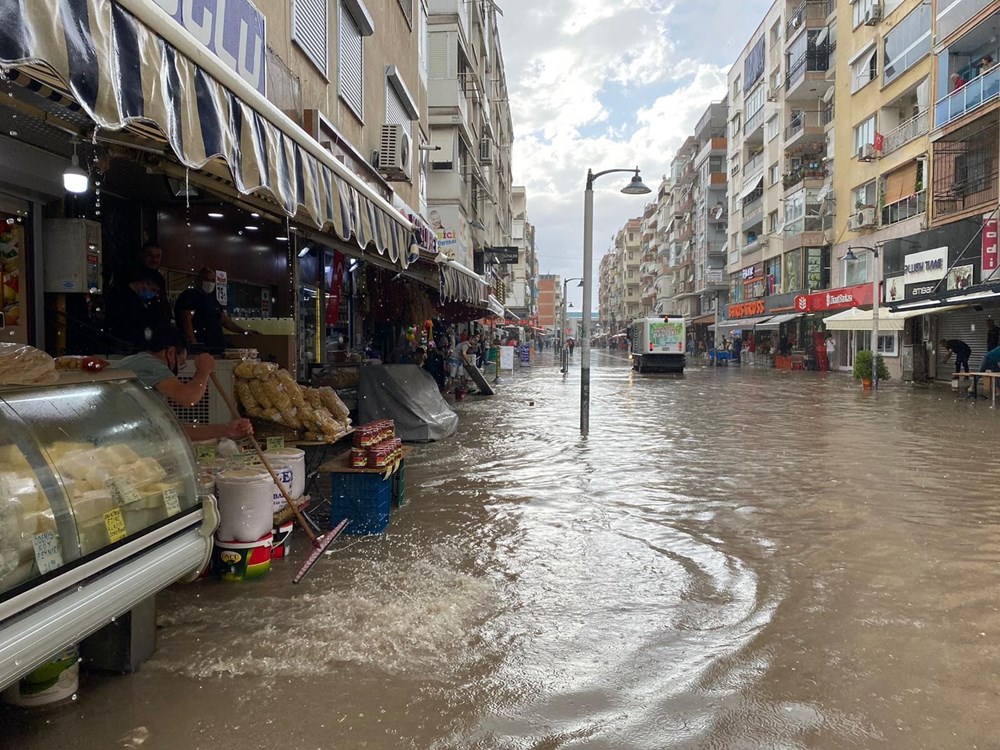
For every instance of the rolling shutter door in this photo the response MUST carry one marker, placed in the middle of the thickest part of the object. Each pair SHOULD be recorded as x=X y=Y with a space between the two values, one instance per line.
x=968 y=325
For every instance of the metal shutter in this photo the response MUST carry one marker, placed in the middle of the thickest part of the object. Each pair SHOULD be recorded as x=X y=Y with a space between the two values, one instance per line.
x=395 y=112
x=438 y=58
x=352 y=71
x=969 y=325
x=309 y=30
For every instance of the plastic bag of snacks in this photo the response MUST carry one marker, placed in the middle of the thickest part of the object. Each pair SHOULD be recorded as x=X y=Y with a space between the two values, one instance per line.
x=25 y=365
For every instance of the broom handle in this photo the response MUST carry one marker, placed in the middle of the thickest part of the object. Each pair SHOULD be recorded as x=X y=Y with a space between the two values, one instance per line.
x=260 y=454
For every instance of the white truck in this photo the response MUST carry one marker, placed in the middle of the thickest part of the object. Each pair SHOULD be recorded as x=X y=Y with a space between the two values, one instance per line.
x=658 y=344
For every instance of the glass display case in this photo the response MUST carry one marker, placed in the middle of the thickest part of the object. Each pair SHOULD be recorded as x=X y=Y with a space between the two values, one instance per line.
x=99 y=510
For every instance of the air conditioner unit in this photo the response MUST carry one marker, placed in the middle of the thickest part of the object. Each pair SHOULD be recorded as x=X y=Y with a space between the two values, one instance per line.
x=395 y=153
x=873 y=15
x=772 y=94
x=485 y=151
x=867 y=152
x=863 y=219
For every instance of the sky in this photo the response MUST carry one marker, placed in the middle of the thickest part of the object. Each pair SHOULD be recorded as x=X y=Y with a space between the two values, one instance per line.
x=607 y=84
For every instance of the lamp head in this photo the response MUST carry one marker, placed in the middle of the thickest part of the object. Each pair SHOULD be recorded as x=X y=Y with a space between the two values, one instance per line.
x=636 y=186
x=75 y=180
x=850 y=255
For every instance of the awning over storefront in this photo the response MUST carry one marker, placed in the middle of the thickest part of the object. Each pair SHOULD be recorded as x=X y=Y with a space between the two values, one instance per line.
x=704 y=320
x=130 y=67
x=460 y=284
x=861 y=320
x=494 y=306
x=774 y=323
x=741 y=324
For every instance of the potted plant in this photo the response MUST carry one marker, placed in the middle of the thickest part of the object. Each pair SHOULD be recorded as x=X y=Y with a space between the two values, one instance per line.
x=863 y=368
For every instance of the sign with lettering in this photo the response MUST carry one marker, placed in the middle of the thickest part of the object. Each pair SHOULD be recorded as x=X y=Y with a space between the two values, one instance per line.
x=114 y=522
x=123 y=492
x=233 y=30
x=927 y=265
x=745 y=309
x=171 y=502
x=991 y=259
x=48 y=553
x=835 y=299
x=275 y=443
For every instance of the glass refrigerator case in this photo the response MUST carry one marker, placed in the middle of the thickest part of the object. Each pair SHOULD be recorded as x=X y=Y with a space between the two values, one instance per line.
x=99 y=510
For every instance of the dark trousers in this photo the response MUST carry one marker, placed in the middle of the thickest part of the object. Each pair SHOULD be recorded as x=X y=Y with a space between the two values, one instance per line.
x=961 y=360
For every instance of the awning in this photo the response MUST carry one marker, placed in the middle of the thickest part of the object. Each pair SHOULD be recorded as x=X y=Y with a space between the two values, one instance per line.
x=750 y=186
x=774 y=323
x=856 y=319
x=703 y=319
x=494 y=306
x=460 y=284
x=901 y=184
x=741 y=323
x=129 y=66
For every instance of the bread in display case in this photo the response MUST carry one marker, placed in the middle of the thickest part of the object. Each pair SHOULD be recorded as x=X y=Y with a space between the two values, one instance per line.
x=86 y=465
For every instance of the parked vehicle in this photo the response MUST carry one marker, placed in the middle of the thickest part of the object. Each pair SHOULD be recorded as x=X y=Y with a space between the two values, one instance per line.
x=658 y=344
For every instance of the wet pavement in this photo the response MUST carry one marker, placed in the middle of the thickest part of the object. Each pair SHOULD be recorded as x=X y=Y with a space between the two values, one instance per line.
x=733 y=559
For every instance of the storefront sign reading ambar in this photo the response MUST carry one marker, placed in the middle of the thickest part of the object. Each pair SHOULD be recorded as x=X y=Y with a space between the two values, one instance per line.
x=745 y=309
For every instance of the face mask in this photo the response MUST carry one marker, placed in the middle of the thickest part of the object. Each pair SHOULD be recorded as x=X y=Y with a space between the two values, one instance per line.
x=147 y=294
x=208 y=287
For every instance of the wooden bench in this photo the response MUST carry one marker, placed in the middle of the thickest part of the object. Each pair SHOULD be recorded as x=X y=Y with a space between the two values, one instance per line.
x=990 y=376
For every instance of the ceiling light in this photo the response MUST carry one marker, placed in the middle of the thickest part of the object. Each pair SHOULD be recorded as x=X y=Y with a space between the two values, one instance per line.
x=215 y=215
x=255 y=215
x=251 y=228
x=281 y=239
x=75 y=180
x=304 y=251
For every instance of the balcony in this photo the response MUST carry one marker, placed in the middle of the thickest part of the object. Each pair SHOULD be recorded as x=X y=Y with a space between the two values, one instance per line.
x=977 y=92
x=811 y=171
x=753 y=214
x=805 y=126
x=754 y=123
x=810 y=13
x=809 y=66
x=755 y=164
x=755 y=245
x=911 y=206
x=965 y=169
x=911 y=129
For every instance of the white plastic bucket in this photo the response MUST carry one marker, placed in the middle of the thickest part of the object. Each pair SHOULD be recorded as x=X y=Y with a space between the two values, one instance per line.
x=54 y=681
x=287 y=477
x=246 y=497
x=295 y=459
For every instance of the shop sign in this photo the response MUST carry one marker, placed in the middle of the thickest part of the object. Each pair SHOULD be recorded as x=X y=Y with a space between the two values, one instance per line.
x=222 y=288
x=927 y=265
x=745 y=309
x=233 y=30
x=834 y=299
x=991 y=259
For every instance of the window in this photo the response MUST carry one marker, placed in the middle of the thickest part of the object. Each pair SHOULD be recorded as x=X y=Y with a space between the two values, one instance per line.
x=907 y=42
x=716 y=164
x=355 y=25
x=772 y=222
x=772 y=274
x=864 y=69
x=772 y=128
x=736 y=89
x=755 y=102
x=776 y=33
x=309 y=30
x=774 y=174
x=863 y=11
x=887 y=344
x=863 y=196
x=856 y=271
x=864 y=134
x=735 y=126
x=424 y=44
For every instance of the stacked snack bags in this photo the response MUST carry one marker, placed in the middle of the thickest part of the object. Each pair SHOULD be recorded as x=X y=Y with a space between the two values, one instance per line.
x=376 y=445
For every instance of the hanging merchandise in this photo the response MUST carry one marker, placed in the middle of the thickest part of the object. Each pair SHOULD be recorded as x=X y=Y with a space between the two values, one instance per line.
x=334 y=287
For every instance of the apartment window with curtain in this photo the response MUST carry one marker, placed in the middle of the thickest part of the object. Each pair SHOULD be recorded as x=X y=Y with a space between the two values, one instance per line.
x=907 y=42
x=864 y=134
x=309 y=31
x=864 y=69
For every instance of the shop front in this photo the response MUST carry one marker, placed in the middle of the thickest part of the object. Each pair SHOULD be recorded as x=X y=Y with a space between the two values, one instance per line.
x=818 y=307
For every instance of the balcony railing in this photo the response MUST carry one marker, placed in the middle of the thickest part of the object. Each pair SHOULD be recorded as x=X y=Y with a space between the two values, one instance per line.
x=810 y=119
x=795 y=176
x=975 y=93
x=911 y=206
x=913 y=128
x=755 y=164
x=826 y=117
x=754 y=121
x=808 y=10
x=808 y=62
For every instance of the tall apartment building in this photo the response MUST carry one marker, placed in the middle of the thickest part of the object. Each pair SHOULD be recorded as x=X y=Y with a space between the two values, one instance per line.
x=649 y=262
x=549 y=302
x=521 y=278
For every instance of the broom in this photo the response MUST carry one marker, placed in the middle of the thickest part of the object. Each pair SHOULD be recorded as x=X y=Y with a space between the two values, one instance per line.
x=319 y=543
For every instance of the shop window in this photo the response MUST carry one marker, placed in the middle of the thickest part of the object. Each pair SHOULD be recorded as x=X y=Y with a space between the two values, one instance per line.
x=309 y=30
x=887 y=344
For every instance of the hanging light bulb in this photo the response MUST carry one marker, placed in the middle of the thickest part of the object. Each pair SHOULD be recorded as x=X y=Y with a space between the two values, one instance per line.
x=75 y=180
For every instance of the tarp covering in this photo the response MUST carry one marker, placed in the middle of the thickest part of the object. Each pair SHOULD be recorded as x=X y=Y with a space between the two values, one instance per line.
x=408 y=395
x=124 y=74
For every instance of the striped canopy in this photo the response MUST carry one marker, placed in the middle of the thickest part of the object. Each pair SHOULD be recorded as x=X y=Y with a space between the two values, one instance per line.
x=126 y=76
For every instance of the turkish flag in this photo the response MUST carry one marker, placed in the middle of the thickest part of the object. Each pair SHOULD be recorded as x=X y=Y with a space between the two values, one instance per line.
x=879 y=142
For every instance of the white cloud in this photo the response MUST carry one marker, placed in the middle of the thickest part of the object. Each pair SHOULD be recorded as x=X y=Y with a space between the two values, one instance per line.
x=599 y=84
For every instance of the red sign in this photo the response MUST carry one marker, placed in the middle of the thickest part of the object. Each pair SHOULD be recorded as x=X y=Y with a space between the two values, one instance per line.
x=835 y=299
x=746 y=309
x=990 y=257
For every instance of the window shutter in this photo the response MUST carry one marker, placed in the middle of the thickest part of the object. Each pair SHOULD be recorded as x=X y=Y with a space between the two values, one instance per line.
x=351 y=63
x=438 y=57
x=395 y=112
x=309 y=30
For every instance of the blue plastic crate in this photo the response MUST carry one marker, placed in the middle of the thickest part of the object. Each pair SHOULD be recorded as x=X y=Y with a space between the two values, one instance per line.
x=364 y=498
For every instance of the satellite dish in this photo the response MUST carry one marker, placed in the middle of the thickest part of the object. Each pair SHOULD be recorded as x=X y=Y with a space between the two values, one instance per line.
x=828 y=95
x=822 y=35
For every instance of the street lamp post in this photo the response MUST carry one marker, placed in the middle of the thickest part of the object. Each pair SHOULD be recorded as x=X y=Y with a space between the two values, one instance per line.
x=634 y=187
x=562 y=332
x=875 y=302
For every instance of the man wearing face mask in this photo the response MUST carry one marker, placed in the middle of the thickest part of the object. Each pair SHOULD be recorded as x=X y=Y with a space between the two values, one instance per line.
x=135 y=310
x=157 y=368
x=202 y=317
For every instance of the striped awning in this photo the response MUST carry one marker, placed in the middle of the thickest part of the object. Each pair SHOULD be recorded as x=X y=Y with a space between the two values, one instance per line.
x=126 y=76
x=460 y=284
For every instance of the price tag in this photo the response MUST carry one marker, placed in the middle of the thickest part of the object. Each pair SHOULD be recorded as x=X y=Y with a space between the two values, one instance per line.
x=115 y=524
x=170 y=501
x=123 y=492
x=48 y=554
x=205 y=454
x=275 y=443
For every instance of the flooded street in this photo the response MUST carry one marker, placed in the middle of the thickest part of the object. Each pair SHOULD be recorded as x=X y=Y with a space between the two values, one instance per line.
x=733 y=559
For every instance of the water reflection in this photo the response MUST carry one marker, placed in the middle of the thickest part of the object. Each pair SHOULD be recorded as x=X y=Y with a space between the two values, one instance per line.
x=732 y=559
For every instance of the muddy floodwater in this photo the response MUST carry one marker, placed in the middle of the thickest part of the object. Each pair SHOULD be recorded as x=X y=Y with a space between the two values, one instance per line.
x=733 y=559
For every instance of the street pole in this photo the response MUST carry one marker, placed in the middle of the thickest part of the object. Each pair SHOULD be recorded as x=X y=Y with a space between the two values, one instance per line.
x=562 y=334
x=715 y=344
x=588 y=262
x=875 y=301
